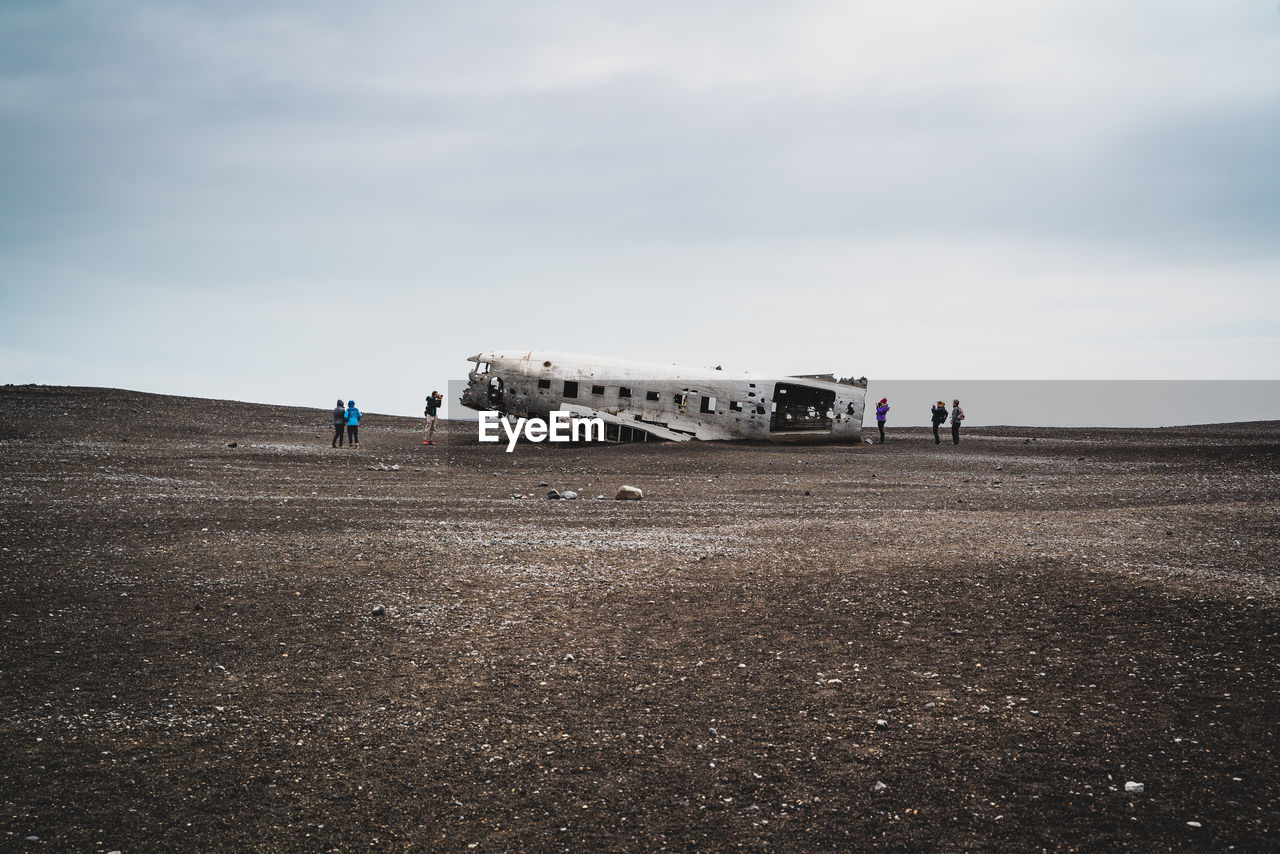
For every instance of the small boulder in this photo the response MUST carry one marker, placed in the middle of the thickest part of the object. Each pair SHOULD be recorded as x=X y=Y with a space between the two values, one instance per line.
x=379 y=610
x=629 y=493
x=569 y=495
x=1134 y=788
x=553 y=495
x=542 y=483
x=232 y=444
x=878 y=787
x=881 y=723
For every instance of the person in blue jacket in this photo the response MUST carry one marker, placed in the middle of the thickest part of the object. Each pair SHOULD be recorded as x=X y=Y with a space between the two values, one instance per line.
x=882 y=410
x=353 y=425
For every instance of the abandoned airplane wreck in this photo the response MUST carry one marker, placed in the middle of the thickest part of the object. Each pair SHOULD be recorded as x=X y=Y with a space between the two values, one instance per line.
x=639 y=401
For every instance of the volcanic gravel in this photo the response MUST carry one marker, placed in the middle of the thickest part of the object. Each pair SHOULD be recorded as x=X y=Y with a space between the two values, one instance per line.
x=937 y=648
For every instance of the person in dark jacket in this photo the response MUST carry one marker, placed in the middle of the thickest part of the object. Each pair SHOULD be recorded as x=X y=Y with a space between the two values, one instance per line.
x=957 y=415
x=939 y=412
x=339 y=422
x=353 y=424
x=433 y=408
x=882 y=410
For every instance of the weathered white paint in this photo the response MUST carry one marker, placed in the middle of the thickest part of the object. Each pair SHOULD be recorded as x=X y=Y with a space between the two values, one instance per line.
x=532 y=383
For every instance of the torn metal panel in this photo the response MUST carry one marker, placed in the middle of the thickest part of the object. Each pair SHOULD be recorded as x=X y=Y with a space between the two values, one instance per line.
x=643 y=399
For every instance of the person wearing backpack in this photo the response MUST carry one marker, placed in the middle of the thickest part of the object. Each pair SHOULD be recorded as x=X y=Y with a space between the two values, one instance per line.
x=353 y=425
x=939 y=414
x=433 y=408
x=882 y=410
x=339 y=422
x=957 y=415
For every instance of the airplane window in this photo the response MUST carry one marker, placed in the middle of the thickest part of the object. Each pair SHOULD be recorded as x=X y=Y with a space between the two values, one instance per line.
x=650 y=395
x=544 y=383
x=734 y=406
x=623 y=391
x=708 y=404
x=597 y=389
x=570 y=388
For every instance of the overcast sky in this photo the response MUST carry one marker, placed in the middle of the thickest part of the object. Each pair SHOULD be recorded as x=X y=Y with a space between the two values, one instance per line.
x=288 y=202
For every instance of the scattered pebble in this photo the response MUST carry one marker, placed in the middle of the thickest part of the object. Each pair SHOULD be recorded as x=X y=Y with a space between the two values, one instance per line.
x=628 y=493
x=379 y=610
x=879 y=787
x=1134 y=788
x=569 y=495
x=881 y=723
x=553 y=495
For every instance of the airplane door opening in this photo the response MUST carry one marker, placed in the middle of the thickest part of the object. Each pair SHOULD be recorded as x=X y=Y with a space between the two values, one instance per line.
x=800 y=408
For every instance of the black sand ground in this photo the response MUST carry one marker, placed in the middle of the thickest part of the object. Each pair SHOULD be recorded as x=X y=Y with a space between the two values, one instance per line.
x=190 y=660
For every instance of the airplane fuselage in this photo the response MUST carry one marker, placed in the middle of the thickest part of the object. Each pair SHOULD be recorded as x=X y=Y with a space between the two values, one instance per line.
x=638 y=399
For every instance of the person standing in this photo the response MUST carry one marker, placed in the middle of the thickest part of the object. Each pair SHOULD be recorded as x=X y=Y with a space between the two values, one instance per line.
x=957 y=415
x=882 y=410
x=339 y=422
x=433 y=408
x=939 y=412
x=353 y=425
